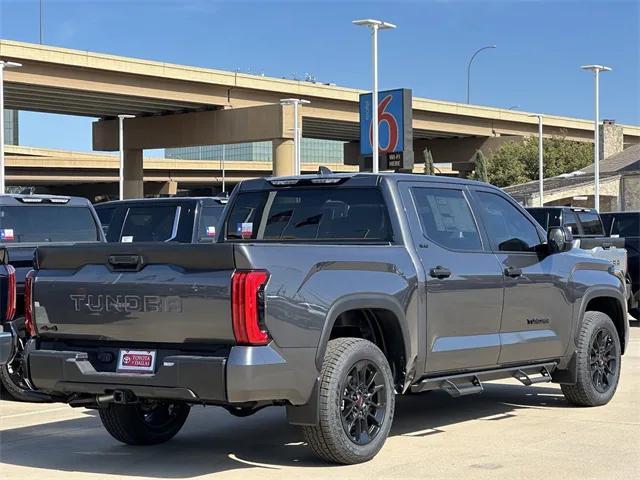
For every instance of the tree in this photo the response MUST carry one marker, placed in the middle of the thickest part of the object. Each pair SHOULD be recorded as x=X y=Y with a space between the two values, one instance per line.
x=517 y=162
x=480 y=171
x=429 y=168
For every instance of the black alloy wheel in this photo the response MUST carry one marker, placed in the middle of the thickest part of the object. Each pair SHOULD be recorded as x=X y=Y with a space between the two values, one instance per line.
x=363 y=402
x=603 y=360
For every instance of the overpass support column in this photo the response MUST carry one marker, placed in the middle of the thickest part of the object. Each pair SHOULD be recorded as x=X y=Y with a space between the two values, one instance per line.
x=133 y=174
x=283 y=157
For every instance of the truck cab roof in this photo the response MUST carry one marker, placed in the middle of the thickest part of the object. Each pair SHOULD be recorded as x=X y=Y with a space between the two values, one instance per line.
x=20 y=199
x=142 y=201
x=353 y=179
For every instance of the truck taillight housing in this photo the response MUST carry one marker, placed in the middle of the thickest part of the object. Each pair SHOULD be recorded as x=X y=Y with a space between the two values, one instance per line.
x=247 y=307
x=10 y=311
x=29 y=322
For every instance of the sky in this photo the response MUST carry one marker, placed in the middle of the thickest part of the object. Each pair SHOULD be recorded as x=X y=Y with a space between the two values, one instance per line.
x=535 y=67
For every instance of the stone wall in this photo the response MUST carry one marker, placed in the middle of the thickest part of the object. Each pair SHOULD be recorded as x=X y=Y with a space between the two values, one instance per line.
x=630 y=189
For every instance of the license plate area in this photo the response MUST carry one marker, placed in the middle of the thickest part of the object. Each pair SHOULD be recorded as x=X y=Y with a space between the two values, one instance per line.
x=136 y=361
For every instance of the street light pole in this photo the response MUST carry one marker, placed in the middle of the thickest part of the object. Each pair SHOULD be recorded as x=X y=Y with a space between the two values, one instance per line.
x=121 y=119
x=297 y=132
x=540 y=159
x=3 y=65
x=596 y=69
x=374 y=25
x=469 y=69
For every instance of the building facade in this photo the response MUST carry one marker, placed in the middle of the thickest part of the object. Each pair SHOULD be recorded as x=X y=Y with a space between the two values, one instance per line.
x=11 y=127
x=312 y=150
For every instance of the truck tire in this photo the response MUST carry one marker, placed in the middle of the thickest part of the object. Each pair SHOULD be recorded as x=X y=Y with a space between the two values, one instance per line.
x=13 y=386
x=355 y=405
x=598 y=362
x=145 y=423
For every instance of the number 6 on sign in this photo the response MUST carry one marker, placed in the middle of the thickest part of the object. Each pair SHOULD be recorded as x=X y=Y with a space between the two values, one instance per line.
x=392 y=125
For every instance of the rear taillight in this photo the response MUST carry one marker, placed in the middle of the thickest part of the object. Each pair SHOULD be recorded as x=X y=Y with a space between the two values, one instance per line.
x=247 y=307
x=10 y=311
x=29 y=323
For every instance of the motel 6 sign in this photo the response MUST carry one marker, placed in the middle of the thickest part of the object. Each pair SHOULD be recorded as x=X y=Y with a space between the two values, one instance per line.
x=395 y=134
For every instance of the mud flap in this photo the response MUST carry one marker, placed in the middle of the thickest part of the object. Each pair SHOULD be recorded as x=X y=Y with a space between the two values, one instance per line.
x=305 y=414
x=569 y=374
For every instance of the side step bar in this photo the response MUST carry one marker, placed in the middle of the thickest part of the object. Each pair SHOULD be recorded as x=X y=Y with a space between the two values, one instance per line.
x=470 y=383
x=527 y=379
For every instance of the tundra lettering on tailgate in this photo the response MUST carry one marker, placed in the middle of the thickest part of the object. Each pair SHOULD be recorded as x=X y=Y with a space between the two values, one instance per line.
x=126 y=303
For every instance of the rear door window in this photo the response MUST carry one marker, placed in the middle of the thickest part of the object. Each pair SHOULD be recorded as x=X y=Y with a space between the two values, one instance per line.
x=446 y=218
x=591 y=224
x=150 y=224
x=310 y=214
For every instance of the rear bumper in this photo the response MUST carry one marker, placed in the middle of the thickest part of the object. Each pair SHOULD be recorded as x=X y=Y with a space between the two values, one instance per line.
x=248 y=374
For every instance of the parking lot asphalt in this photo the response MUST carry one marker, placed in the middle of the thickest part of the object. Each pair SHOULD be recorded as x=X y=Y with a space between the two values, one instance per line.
x=509 y=431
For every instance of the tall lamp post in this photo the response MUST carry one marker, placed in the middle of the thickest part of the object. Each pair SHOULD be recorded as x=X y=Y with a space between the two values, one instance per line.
x=297 y=131
x=3 y=65
x=121 y=119
x=469 y=69
x=540 y=159
x=596 y=69
x=374 y=25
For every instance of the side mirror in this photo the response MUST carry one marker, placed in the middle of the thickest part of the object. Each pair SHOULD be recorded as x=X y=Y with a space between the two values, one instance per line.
x=559 y=239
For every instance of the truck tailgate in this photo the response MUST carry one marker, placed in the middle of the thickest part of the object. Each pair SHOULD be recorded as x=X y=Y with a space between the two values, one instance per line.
x=152 y=293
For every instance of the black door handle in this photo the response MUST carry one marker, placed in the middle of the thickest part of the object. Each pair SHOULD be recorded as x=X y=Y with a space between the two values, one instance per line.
x=513 y=272
x=126 y=262
x=439 y=272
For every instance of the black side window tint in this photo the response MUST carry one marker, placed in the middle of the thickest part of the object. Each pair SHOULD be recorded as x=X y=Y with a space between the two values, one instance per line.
x=310 y=214
x=627 y=225
x=508 y=229
x=105 y=214
x=571 y=221
x=590 y=223
x=209 y=219
x=445 y=218
x=246 y=212
x=149 y=224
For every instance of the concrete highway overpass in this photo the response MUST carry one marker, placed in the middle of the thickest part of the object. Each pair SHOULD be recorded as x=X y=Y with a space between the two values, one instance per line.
x=178 y=105
x=96 y=175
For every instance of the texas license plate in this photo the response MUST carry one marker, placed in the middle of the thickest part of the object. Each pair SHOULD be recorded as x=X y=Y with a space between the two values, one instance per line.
x=137 y=361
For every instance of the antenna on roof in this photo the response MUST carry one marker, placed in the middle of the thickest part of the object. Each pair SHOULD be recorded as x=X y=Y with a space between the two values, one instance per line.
x=322 y=170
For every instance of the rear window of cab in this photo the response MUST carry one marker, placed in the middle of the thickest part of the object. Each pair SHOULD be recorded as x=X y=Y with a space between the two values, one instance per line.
x=356 y=214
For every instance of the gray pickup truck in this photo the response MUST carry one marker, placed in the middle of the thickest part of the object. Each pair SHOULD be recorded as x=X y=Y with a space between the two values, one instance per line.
x=327 y=294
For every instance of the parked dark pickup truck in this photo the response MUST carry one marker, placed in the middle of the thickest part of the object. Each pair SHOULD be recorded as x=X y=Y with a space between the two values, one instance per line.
x=328 y=294
x=588 y=232
x=626 y=225
x=27 y=221
x=175 y=219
